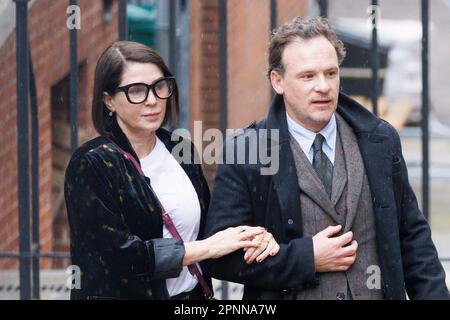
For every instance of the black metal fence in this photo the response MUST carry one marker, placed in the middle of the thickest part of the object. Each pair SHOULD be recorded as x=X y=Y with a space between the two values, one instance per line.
x=29 y=254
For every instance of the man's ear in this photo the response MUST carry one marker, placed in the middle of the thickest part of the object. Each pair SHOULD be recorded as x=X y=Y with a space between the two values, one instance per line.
x=107 y=100
x=277 y=82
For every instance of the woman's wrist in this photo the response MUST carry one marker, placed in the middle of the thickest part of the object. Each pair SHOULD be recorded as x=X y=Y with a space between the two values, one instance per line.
x=196 y=251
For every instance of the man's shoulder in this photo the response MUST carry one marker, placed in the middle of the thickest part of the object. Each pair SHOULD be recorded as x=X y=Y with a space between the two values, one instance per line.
x=248 y=131
x=261 y=124
x=252 y=148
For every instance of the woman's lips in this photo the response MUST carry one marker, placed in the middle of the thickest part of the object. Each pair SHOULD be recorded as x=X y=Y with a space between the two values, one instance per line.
x=151 y=115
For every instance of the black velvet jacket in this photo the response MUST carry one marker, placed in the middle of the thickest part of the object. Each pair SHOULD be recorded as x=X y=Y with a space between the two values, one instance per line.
x=116 y=228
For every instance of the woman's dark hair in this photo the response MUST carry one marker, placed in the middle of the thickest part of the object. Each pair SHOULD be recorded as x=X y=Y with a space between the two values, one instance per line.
x=108 y=75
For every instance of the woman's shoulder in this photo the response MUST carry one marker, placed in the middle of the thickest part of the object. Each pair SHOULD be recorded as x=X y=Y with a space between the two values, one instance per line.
x=89 y=147
x=99 y=150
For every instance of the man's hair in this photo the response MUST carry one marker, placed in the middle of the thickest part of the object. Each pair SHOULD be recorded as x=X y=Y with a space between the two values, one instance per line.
x=300 y=28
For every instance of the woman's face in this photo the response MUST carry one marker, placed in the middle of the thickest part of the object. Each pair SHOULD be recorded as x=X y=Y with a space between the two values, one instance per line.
x=143 y=118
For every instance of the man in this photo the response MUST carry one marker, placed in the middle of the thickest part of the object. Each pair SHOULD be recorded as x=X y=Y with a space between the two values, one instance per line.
x=340 y=204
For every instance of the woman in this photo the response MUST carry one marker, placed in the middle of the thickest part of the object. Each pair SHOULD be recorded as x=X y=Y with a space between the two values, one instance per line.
x=119 y=185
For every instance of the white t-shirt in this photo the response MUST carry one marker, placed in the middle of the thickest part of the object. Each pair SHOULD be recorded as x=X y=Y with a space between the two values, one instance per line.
x=178 y=196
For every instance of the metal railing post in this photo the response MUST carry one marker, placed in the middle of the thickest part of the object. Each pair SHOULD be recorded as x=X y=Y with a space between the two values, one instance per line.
x=73 y=87
x=223 y=65
x=173 y=36
x=273 y=15
x=425 y=110
x=23 y=147
x=375 y=63
x=323 y=7
x=223 y=86
x=36 y=246
x=123 y=30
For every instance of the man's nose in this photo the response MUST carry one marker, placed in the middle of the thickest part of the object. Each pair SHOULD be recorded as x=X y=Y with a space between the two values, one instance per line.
x=322 y=84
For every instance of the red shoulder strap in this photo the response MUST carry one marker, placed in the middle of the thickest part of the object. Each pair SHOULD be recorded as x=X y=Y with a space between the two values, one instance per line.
x=193 y=268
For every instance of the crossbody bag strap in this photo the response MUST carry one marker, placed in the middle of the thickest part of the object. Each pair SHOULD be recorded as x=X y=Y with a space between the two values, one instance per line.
x=193 y=268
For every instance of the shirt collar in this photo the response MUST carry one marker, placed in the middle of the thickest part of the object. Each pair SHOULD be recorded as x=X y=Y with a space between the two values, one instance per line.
x=306 y=137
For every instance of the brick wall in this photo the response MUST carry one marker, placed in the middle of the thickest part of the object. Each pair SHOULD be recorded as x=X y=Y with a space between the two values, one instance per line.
x=49 y=42
x=205 y=69
x=248 y=31
x=248 y=89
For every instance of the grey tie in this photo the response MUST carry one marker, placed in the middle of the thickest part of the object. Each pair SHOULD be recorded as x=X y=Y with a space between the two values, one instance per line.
x=322 y=164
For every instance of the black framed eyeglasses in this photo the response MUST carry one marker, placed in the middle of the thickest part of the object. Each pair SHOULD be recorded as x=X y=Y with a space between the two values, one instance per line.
x=138 y=92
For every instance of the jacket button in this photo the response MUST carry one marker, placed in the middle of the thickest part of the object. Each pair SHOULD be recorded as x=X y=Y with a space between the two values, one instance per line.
x=290 y=221
x=340 y=296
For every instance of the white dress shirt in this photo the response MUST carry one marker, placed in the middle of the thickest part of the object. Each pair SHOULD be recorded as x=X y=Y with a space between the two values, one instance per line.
x=305 y=137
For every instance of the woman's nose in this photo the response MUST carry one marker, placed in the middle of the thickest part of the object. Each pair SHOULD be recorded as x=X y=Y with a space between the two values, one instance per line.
x=151 y=98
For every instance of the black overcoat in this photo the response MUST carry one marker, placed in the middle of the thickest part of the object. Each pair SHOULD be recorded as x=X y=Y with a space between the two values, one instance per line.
x=242 y=195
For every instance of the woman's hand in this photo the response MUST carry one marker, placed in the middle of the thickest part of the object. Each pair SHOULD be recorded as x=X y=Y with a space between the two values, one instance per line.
x=221 y=244
x=232 y=239
x=267 y=246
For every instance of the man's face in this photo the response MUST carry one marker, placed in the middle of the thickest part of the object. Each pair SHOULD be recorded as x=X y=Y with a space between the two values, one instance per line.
x=310 y=83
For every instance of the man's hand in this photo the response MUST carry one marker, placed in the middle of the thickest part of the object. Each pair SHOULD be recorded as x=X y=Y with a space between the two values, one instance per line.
x=267 y=246
x=332 y=254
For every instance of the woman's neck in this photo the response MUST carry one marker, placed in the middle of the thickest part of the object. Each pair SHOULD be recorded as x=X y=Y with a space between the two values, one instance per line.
x=142 y=143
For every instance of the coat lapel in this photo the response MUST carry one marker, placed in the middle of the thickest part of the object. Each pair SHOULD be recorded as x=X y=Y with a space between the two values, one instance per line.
x=116 y=134
x=378 y=163
x=354 y=168
x=373 y=151
x=339 y=172
x=376 y=153
x=285 y=180
x=310 y=183
x=377 y=159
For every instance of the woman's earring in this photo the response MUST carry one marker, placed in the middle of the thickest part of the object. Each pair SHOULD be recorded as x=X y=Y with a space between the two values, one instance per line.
x=110 y=114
